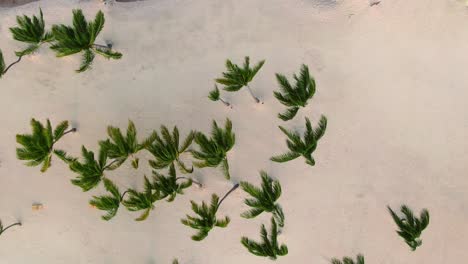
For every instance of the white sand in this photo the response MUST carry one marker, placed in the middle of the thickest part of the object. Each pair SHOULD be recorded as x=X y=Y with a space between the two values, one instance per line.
x=391 y=79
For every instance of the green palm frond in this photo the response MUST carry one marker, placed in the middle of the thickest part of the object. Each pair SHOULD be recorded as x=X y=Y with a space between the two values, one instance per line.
x=120 y=147
x=90 y=171
x=237 y=77
x=2 y=64
x=269 y=246
x=206 y=216
x=410 y=226
x=302 y=147
x=81 y=37
x=213 y=150
x=169 y=186
x=348 y=260
x=3 y=229
x=138 y=201
x=264 y=198
x=31 y=31
x=166 y=149
x=175 y=261
x=109 y=203
x=295 y=96
x=37 y=147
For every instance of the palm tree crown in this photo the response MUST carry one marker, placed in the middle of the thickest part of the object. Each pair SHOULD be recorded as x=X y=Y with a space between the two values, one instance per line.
x=109 y=203
x=295 y=96
x=348 y=260
x=90 y=171
x=81 y=37
x=169 y=186
x=264 y=198
x=299 y=147
x=410 y=226
x=145 y=200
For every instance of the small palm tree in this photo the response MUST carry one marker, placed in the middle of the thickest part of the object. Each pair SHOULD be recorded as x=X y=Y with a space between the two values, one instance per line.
x=299 y=147
x=213 y=151
x=31 y=31
x=166 y=150
x=3 y=229
x=236 y=77
x=38 y=147
x=81 y=37
x=169 y=186
x=175 y=261
x=269 y=246
x=120 y=147
x=348 y=260
x=264 y=198
x=91 y=171
x=145 y=200
x=410 y=226
x=214 y=96
x=297 y=96
x=109 y=203
x=206 y=219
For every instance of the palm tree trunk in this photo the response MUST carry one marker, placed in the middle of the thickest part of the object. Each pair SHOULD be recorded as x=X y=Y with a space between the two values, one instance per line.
x=194 y=181
x=226 y=195
x=108 y=47
x=253 y=96
x=69 y=131
x=9 y=66
x=19 y=223
x=225 y=102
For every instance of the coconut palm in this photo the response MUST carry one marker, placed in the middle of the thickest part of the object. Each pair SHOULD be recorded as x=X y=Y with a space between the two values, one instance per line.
x=37 y=148
x=145 y=200
x=166 y=149
x=175 y=261
x=299 y=147
x=295 y=96
x=213 y=151
x=81 y=37
x=264 y=198
x=31 y=31
x=348 y=260
x=109 y=203
x=170 y=186
x=3 y=229
x=269 y=246
x=206 y=219
x=215 y=95
x=237 y=77
x=91 y=171
x=410 y=227
x=120 y=147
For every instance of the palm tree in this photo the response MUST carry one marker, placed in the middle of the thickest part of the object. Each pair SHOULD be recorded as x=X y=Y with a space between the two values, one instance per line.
x=213 y=151
x=299 y=147
x=236 y=77
x=410 y=226
x=295 y=96
x=169 y=186
x=206 y=219
x=91 y=171
x=81 y=37
x=31 y=31
x=166 y=150
x=348 y=260
x=264 y=198
x=109 y=203
x=214 y=96
x=37 y=148
x=269 y=246
x=122 y=147
x=175 y=261
x=3 y=229
x=145 y=200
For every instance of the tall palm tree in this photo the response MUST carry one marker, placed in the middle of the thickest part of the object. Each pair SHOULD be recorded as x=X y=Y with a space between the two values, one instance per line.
x=213 y=151
x=81 y=37
x=410 y=226
x=264 y=198
x=206 y=219
x=237 y=77
x=295 y=96
x=269 y=246
x=348 y=260
x=31 y=31
x=305 y=148
x=37 y=148
x=3 y=229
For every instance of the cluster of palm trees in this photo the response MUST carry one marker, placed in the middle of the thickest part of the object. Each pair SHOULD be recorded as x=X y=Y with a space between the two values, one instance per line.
x=64 y=40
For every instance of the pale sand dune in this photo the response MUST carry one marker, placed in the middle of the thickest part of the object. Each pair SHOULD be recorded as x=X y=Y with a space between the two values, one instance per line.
x=391 y=80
